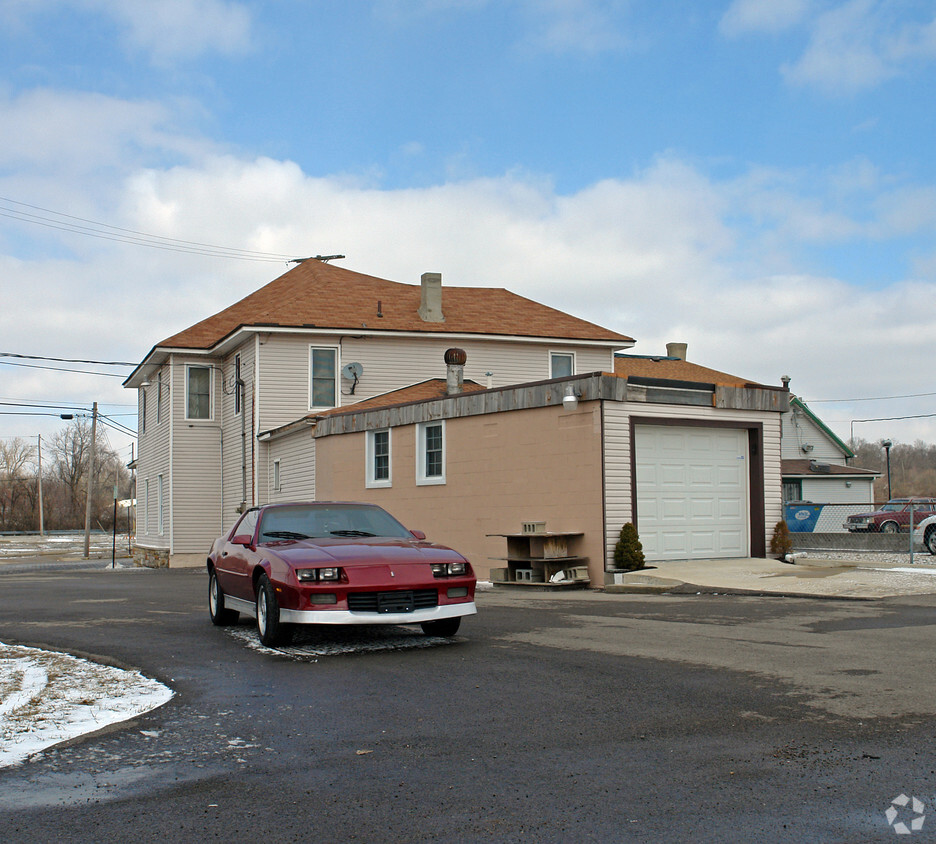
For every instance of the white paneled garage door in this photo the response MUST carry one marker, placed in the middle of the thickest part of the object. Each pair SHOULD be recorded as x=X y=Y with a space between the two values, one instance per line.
x=692 y=492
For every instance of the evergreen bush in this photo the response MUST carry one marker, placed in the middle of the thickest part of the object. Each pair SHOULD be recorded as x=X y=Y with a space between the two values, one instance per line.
x=780 y=543
x=628 y=553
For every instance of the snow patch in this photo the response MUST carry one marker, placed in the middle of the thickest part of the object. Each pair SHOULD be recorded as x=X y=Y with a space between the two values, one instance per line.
x=47 y=698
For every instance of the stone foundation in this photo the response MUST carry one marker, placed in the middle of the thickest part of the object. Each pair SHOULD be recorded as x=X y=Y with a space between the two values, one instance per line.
x=151 y=558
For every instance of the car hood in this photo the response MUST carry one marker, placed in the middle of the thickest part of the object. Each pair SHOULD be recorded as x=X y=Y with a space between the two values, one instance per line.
x=361 y=552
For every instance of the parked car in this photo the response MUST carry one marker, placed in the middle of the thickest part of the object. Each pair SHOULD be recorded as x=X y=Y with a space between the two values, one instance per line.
x=893 y=516
x=925 y=534
x=334 y=563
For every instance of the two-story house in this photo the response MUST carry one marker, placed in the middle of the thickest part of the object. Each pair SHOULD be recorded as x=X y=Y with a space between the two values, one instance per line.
x=316 y=338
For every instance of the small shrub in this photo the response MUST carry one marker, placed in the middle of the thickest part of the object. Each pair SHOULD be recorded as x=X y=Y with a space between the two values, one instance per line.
x=628 y=553
x=780 y=542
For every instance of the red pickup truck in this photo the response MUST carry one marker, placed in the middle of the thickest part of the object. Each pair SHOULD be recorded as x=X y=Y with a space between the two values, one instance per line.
x=893 y=516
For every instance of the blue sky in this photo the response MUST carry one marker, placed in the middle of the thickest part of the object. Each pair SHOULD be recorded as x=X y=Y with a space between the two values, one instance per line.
x=753 y=177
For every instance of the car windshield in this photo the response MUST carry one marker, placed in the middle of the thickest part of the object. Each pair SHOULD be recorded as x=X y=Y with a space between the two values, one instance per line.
x=893 y=508
x=315 y=521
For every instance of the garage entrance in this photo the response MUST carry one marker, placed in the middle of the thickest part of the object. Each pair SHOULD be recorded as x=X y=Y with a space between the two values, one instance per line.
x=692 y=491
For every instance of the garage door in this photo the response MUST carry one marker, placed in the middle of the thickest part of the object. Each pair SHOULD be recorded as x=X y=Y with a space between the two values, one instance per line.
x=692 y=492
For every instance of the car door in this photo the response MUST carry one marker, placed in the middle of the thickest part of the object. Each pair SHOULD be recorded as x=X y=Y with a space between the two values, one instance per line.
x=235 y=562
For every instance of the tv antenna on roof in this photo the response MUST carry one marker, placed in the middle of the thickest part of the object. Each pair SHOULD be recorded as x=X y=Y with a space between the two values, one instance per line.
x=323 y=258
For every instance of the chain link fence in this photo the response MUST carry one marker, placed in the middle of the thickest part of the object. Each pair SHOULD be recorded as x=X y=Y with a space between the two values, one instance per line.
x=823 y=527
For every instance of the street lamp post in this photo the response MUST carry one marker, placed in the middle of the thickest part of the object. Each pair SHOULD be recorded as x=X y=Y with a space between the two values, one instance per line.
x=887 y=447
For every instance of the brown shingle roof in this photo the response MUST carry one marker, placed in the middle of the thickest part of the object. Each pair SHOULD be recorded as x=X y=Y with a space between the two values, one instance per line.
x=801 y=467
x=434 y=388
x=674 y=370
x=320 y=295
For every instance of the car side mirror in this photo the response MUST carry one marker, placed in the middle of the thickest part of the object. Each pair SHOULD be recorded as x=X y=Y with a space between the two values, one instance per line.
x=418 y=534
x=242 y=539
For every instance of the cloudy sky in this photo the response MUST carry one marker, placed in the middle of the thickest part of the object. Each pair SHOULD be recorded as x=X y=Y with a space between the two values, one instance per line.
x=753 y=177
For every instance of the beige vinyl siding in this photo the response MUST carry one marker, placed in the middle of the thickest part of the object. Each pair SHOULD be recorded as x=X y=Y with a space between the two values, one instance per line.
x=800 y=430
x=284 y=376
x=153 y=460
x=391 y=363
x=832 y=490
x=618 y=461
x=231 y=485
x=296 y=454
x=194 y=484
x=617 y=472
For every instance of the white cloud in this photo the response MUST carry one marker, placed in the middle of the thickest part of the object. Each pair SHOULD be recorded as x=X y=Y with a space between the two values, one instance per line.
x=167 y=30
x=574 y=26
x=666 y=254
x=852 y=46
x=770 y=16
x=551 y=26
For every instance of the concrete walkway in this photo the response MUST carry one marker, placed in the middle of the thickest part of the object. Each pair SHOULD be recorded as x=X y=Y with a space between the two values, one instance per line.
x=808 y=577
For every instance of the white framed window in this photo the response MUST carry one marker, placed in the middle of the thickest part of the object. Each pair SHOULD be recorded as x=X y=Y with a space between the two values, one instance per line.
x=277 y=476
x=378 y=459
x=561 y=364
x=146 y=519
x=159 y=393
x=323 y=376
x=160 y=518
x=430 y=454
x=197 y=392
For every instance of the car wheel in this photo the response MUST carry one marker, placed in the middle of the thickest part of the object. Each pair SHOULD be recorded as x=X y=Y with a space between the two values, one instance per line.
x=220 y=615
x=442 y=627
x=271 y=630
x=930 y=540
x=889 y=527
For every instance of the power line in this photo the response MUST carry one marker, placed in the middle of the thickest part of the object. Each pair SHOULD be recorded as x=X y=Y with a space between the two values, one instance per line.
x=66 y=360
x=63 y=369
x=105 y=231
x=872 y=398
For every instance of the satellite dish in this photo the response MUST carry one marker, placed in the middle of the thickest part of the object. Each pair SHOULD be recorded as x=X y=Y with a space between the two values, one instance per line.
x=352 y=371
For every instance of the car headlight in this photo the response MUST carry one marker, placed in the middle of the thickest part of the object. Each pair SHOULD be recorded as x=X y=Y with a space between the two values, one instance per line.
x=318 y=575
x=449 y=569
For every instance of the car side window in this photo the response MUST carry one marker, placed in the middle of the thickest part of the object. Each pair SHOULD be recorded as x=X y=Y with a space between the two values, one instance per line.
x=248 y=524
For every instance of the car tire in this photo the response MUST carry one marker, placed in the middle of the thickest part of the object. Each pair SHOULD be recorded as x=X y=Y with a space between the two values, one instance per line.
x=930 y=540
x=220 y=615
x=890 y=527
x=270 y=629
x=442 y=627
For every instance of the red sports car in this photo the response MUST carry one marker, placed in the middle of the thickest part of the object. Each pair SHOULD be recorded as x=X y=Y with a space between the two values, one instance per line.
x=329 y=562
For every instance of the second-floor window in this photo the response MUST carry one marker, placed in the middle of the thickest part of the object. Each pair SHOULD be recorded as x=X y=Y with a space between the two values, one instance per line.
x=323 y=383
x=198 y=392
x=159 y=393
x=561 y=364
x=238 y=384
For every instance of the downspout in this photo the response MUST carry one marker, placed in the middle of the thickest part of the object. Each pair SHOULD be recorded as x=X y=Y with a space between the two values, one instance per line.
x=239 y=385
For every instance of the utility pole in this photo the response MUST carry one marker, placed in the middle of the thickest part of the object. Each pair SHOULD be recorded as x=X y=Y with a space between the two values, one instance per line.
x=87 y=520
x=39 y=481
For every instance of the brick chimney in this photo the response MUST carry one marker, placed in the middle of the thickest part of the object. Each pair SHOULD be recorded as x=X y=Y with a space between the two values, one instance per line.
x=430 y=300
x=676 y=350
x=454 y=371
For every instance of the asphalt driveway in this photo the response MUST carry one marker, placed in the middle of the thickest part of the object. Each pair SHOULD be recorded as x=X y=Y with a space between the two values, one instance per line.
x=582 y=717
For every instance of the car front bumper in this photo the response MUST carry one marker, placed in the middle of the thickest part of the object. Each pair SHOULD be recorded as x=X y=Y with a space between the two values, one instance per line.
x=348 y=617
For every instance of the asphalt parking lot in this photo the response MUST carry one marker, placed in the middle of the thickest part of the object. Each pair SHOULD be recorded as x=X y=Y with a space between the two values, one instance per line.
x=582 y=717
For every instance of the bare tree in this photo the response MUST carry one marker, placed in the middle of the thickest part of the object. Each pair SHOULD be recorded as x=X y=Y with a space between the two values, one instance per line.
x=17 y=481
x=71 y=455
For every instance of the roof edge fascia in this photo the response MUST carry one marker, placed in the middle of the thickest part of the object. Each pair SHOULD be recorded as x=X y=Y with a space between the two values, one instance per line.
x=796 y=400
